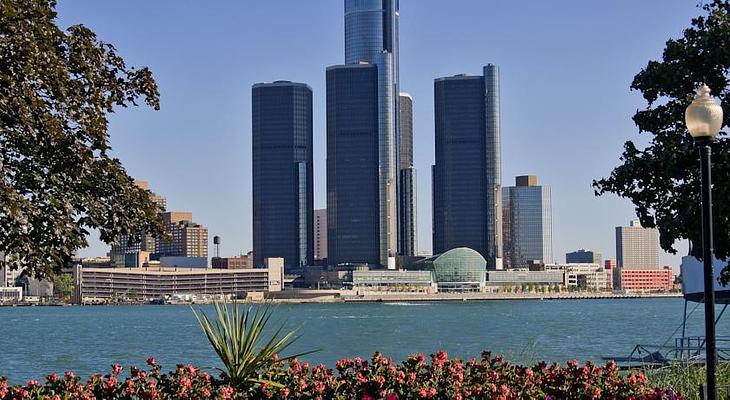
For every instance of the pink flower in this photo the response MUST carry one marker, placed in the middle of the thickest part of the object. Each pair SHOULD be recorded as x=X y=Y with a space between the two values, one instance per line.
x=111 y=383
x=226 y=392
x=366 y=396
x=151 y=361
x=391 y=396
x=129 y=388
x=116 y=369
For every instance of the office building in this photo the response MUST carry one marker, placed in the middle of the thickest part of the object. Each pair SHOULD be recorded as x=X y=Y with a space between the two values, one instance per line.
x=394 y=281
x=610 y=265
x=646 y=280
x=187 y=238
x=283 y=194
x=157 y=283
x=8 y=276
x=126 y=244
x=519 y=278
x=354 y=206
x=320 y=234
x=584 y=256
x=637 y=256
x=582 y=276
x=407 y=239
x=527 y=223
x=637 y=247
x=466 y=177
x=239 y=262
x=371 y=36
x=11 y=294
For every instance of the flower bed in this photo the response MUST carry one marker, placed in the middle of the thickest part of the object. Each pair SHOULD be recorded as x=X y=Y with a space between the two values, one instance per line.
x=379 y=378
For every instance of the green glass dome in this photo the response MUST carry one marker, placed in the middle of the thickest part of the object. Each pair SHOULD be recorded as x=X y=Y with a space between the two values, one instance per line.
x=461 y=268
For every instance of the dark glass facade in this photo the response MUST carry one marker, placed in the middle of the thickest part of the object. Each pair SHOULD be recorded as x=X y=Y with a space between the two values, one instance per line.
x=353 y=199
x=407 y=239
x=466 y=180
x=283 y=195
x=528 y=225
x=371 y=36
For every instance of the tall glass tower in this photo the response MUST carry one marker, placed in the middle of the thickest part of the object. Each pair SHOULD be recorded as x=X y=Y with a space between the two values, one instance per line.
x=528 y=223
x=353 y=219
x=407 y=239
x=283 y=212
x=467 y=207
x=371 y=36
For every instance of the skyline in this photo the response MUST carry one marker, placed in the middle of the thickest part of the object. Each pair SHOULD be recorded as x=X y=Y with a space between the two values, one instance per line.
x=214 y=117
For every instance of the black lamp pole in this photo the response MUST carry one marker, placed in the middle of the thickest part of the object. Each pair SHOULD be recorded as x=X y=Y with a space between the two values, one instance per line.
x=710 y=350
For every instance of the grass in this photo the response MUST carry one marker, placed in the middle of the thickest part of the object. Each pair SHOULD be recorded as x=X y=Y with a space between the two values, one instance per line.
x=687 y=378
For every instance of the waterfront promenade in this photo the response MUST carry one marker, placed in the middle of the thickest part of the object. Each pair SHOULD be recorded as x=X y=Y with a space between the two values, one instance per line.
x=353 y=296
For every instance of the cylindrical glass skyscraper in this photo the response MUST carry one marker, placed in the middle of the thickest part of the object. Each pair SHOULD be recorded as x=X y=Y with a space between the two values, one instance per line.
x=371 y=35
x=467 y=200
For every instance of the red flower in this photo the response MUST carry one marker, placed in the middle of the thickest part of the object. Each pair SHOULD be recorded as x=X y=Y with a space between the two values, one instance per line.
x=116 y=369
x=151 y=362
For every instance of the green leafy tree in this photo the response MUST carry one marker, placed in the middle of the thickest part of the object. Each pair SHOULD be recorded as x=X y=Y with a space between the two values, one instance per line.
x=57 y=178
x=662 y=180
x=63 y=284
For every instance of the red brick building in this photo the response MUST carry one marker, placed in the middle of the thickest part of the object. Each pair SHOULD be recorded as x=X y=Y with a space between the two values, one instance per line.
x=647 y=279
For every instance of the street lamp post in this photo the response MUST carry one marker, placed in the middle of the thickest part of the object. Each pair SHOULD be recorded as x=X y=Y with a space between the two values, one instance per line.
x=704 y=120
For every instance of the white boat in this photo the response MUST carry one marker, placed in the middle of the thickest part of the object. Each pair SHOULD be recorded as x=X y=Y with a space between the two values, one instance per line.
x=693 y=283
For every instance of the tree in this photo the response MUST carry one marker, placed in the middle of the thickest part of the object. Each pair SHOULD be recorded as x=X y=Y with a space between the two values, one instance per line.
x=57 y=178
x=663 y=179
x=63 y=284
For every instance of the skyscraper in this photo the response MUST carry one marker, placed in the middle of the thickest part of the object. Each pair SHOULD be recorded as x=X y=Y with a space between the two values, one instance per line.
x=467 y=207
x=527 y=223
x=320 y=234
x=353 y=196
x=371 y=36
x=283 y=196
x=407 y=240
x=637 y=247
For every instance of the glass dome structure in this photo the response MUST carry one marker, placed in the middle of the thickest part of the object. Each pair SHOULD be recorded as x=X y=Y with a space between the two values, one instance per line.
x=460 y=269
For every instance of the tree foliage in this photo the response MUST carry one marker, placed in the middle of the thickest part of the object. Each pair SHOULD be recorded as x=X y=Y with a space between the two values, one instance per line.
x=57 y=178
x=63 y=285
x=663 y=179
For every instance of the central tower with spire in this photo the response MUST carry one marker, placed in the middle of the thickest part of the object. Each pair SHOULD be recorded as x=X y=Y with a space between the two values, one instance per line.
x=371 y=36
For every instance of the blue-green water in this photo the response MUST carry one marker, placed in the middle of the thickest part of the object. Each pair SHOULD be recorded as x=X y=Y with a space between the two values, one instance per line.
x=35 y=341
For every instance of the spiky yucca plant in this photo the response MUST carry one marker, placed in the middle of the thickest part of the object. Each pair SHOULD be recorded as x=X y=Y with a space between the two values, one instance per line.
x=237 y=336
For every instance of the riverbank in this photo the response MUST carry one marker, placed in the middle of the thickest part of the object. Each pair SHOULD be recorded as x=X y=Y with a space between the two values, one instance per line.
x=351 y=296
x=304 y=296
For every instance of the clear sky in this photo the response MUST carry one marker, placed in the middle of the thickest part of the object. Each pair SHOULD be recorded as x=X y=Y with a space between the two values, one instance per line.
x=566 y=67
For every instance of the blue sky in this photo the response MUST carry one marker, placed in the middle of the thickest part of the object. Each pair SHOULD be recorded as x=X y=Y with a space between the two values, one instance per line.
x=566 y=68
